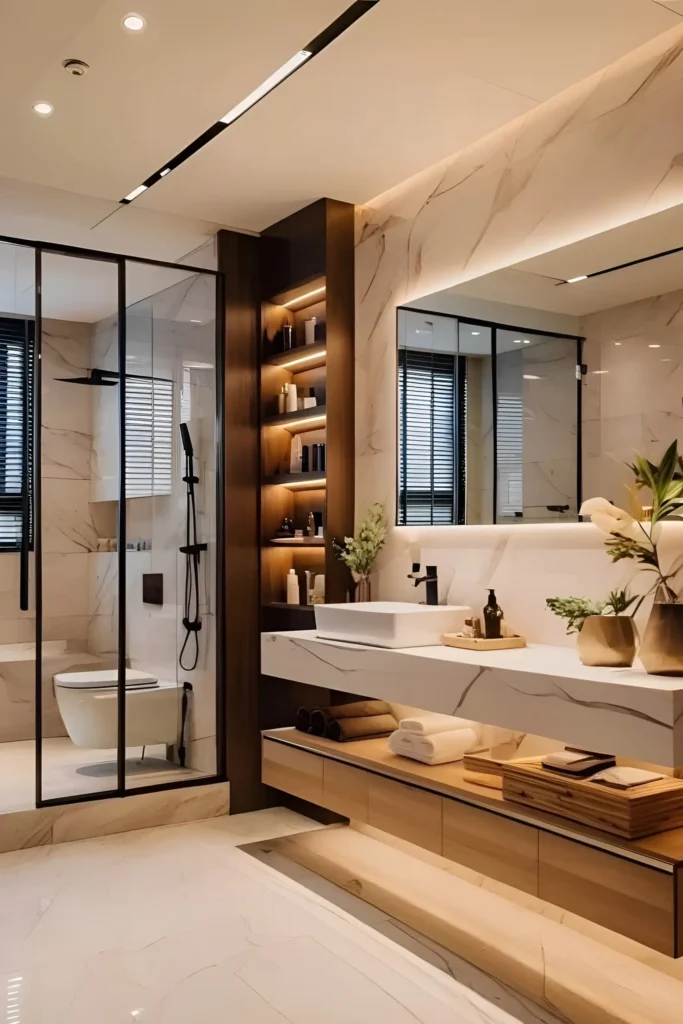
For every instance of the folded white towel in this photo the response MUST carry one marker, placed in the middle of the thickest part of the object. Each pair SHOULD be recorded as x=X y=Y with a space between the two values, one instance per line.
x=430 y=724
x=440 y=748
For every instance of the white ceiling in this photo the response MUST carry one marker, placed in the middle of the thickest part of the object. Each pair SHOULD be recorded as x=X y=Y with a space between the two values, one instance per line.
x=407 y=85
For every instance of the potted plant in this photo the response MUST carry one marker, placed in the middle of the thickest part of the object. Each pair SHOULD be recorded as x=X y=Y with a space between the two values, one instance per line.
x=606 y=632
x=635 y=535
x=359 y=552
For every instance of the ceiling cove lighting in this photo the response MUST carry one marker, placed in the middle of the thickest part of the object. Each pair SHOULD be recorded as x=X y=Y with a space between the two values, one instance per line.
x=306 y=421
x=328 y=35
x=43 y=109
x=306 y=295
x=293 y=485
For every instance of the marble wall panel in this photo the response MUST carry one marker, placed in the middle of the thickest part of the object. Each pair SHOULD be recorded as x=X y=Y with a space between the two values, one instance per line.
x=602 y=153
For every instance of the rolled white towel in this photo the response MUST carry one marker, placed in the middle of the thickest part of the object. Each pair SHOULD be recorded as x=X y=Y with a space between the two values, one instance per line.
x=441 y=748
x=430 y=724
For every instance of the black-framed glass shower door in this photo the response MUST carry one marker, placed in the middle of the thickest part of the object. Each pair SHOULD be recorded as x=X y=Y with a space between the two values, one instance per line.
x=127 y=351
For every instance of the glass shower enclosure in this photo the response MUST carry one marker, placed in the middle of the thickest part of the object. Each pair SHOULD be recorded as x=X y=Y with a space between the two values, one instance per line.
x=113 y=531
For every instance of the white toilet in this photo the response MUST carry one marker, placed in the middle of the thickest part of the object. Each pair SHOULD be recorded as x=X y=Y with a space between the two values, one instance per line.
x=88 y=704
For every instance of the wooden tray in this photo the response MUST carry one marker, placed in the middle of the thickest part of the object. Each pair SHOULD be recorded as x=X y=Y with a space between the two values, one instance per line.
x=480 y=643
x=629 y=813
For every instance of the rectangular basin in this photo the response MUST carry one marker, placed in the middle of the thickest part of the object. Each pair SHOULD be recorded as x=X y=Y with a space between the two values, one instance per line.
x=389 y=623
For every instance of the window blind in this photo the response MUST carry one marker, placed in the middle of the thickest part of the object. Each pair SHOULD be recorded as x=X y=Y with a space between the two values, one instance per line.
x=149 y=436
x=510 y=452
x=432 y=390
x=16 y=430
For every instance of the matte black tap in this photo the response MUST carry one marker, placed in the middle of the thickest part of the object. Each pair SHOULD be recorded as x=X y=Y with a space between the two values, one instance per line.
x=431 y=579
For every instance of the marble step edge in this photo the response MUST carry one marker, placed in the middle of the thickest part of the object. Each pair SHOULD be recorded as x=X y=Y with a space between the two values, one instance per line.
x=569 y=974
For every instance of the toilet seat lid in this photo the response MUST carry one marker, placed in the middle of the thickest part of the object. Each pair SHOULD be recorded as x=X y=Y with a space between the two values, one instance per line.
x=104 y=678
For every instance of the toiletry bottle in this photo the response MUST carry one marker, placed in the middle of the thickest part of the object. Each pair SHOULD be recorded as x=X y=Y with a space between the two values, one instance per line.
x=282 y=399
x=315 y=448
x=310 y=527
x=309 y=328
x=319 y=590
x=292 y=587
x=322 y=455
x=305 y=462
x=493 y=616
x=309 y=592
x=295 y=454
x=292 y=401
x=288 y=337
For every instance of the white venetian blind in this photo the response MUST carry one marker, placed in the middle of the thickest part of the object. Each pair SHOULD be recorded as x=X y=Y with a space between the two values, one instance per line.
x=16 y=421
x=510 y=451
x=149 y=436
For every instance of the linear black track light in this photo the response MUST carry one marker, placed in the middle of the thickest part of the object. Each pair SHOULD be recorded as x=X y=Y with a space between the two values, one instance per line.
x=345 y=20
x=621 y=266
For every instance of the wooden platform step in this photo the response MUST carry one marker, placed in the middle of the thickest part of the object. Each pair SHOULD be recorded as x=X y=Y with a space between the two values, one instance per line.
x=572 y=975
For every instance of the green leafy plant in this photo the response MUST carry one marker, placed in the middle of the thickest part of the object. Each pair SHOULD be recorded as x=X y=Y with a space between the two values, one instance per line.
x=359 y=552
x=577 y=609
x=635 y=536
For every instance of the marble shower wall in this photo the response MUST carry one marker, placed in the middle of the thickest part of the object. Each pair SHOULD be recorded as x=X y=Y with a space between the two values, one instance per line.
x=602 y=153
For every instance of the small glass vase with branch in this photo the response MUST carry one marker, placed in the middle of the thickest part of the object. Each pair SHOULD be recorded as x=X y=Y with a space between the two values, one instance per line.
x=359 y=553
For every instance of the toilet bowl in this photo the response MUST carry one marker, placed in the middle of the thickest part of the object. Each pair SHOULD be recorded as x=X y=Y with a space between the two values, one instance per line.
x=88 y=704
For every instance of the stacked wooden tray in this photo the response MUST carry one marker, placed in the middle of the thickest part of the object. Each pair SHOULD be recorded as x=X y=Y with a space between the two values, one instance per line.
x=629 y=813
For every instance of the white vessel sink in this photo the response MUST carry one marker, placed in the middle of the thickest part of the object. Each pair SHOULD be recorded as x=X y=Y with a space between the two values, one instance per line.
x=389 y=623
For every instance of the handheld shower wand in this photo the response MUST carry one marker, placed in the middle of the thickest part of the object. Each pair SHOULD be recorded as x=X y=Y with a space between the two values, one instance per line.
x=191 y=549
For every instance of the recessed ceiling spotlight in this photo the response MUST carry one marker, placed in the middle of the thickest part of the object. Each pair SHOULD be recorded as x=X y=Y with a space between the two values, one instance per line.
x=475 y=333
x=43 y=109
x=530 y=376
x=526 y=341
x=196 y=321
x=573 y=280
x=600 y=371
x=666 y=360
x=166 y=170
x=517 y=341
x=617 y=343
x=133 y=22
x=654 y=346
x=135 y=193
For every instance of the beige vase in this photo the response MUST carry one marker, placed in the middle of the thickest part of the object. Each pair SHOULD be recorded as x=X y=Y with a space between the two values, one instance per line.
x=607 y=640
x=661 y=651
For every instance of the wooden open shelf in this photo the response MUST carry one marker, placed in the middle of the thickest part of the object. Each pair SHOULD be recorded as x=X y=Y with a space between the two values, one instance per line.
x=629 y=886
x=299 y=481
x=300 y=359
x=300 y=421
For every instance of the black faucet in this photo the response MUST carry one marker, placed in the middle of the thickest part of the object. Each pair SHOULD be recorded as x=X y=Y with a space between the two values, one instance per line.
x=431 y=579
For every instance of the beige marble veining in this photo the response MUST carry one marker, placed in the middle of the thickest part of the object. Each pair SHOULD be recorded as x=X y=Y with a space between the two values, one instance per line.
x=601 y=153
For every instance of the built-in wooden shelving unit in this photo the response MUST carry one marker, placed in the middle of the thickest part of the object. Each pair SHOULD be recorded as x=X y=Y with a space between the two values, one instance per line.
x=306 y=271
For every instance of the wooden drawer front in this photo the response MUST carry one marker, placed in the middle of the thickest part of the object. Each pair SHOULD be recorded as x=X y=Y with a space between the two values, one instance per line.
x=406 y=812
x=491 y=844
x=294 y=771
x=619 y=894
x=345 y=790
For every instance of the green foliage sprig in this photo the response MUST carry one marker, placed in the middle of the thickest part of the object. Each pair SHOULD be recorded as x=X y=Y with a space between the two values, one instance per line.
x=359 y=552
x=577 y=609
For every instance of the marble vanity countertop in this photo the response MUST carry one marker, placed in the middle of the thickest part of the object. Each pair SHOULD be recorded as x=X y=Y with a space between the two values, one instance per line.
x=539 y=689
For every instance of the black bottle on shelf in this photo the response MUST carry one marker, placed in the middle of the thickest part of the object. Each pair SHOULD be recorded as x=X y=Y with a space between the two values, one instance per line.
x=493 y=617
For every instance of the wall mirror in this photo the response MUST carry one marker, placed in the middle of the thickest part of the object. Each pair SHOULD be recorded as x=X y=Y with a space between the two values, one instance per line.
x=525 y=390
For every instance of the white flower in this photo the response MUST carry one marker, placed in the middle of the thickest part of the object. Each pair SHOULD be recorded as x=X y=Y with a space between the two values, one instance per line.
x=611 y=519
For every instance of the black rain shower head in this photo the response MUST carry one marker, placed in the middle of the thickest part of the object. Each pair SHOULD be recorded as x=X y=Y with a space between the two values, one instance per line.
x=97 y=378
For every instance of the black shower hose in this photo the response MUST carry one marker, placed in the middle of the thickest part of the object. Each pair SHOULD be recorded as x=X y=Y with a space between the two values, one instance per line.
x=191 y=550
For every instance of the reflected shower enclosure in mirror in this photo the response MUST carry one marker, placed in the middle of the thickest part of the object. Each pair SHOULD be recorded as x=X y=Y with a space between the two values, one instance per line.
x=556 y=409
x=487 y=421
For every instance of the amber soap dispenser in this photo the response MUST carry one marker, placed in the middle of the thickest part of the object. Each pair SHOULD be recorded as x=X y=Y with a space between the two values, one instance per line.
x=493 y=617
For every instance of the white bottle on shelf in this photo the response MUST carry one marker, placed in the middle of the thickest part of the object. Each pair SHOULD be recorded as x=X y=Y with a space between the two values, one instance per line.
x=292 y=402
x=292 y=587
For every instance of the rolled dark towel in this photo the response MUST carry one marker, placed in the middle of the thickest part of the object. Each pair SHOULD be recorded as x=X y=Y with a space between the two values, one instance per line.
x=303 y=719
x=318 y=722
x=344 y=729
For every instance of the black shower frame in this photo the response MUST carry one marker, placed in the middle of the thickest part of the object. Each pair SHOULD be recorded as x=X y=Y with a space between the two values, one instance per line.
x=494 y=326
x=120 y=260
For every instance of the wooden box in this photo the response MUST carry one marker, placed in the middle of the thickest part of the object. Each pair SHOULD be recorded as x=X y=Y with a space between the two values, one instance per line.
x=629 y=813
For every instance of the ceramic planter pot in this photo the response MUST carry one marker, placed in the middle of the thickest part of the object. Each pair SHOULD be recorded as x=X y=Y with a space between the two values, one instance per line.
x=661 y=651
x=607 y=640
x=363 y=591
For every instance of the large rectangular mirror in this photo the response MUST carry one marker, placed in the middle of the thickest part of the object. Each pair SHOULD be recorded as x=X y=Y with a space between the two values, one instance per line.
x=525 y=390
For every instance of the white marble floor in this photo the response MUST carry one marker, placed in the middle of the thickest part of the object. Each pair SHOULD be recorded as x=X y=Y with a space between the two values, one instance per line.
x=69 y=771
x=166 y=926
